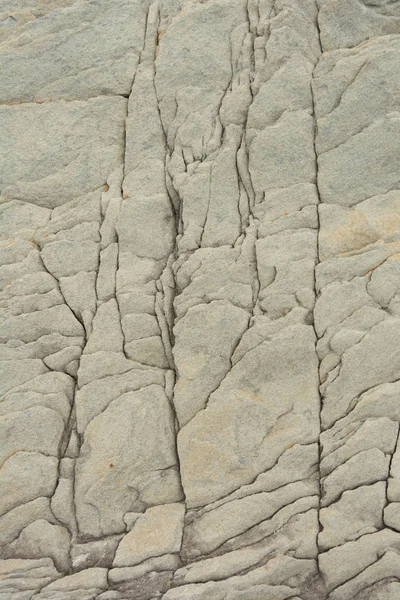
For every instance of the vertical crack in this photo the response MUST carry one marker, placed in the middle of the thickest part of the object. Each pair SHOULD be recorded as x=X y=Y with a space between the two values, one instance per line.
x=124 y=152
x=320 y=526
x=169 y=311
x=388 y=475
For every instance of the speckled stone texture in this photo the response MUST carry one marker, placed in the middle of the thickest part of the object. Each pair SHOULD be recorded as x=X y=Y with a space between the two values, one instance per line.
x=200 y=299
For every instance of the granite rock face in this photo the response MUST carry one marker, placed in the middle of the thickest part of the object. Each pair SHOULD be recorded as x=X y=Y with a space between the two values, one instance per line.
x=200 y=300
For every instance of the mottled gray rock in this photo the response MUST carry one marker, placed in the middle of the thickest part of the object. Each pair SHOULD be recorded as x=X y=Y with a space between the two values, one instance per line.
x=220 y=450
x=125 y=465
x=35 y=474
x=22 y=578
x=85 y=585
x=15 y=520
x=203 y=357
x=93 y=59
x=71 y=148
x=353 y=318
x=199 y=300
x=348 y=23
x=99 y=553
x=157 y=532
x=42 y=539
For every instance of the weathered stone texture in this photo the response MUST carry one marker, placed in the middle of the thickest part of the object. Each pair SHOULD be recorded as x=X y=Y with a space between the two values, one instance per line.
x=200 y=300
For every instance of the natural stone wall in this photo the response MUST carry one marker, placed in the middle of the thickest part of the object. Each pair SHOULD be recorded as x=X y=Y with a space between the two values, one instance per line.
x=200 y=275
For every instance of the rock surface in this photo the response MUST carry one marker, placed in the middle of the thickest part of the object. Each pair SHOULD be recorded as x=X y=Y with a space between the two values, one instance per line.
x=200 y=300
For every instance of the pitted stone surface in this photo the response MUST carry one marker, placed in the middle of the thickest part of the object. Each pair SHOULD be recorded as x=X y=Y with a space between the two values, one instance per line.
x=200 y=300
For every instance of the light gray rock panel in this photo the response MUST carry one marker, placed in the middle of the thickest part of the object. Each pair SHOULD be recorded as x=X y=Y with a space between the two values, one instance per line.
x=200 y=300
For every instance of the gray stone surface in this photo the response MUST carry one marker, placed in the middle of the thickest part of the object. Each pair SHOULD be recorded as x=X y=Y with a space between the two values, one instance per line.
x=200 y=300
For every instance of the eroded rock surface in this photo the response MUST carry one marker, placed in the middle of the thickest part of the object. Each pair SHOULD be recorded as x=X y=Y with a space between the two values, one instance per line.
x=200 y=300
